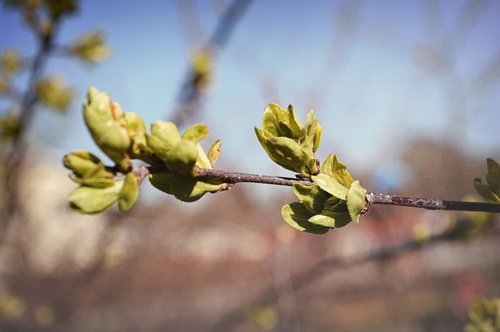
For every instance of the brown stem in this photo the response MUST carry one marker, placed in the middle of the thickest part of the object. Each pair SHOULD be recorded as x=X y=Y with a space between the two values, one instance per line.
x=371 y=198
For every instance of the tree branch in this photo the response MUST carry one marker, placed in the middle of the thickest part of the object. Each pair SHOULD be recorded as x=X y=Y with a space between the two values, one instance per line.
x=235 y=177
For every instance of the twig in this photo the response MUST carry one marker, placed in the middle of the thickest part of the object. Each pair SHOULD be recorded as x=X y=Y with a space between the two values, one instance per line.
x=18 y=148
x=238 y=315
x=371 y=198
x=189 y=94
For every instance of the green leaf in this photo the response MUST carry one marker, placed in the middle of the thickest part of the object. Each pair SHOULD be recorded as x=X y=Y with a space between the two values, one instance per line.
x=94 y=200
x=485 y=191
x=322 y=220
x=284 y=151
x=184 y=188
x=164 y=137
x=330 y=185
x=336 y=209
x=493 y=176
x=202 y=160
x=276 y=120
x=129 y=193
x=195 y=133
x=182 y=157
x=355 y=200
x=103 y=119
x=332 y=166
x=96 y=181
x=81 y=162
x=214 y=152
x=312 y=197
x=297 y=216
x=296 y=127
x=317 y=137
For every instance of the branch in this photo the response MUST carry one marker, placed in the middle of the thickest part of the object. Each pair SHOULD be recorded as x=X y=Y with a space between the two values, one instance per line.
x=237 y=316
x=235 y=177
x=189 y=95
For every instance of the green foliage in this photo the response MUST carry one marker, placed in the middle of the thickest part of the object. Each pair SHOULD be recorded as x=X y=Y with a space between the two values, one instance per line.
x=122 y=136
x=10 y=62
x=332 y=201
x=9 y=127
x=91 y=47
x=484 y=316
x=288 y=142
x=53 y=93
x=490 y=190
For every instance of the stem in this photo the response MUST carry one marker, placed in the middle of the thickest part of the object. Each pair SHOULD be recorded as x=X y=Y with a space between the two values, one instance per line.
x=371 y=198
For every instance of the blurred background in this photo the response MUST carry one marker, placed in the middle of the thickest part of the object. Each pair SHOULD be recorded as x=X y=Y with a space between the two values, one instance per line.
x=407 y=93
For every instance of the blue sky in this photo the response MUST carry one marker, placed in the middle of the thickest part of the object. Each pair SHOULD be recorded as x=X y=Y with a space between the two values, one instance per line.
x=376 y=72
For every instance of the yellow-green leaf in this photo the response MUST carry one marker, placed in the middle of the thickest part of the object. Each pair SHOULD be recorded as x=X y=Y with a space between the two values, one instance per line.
x=330 y=185
x=164 y=136
x=355 y=200
x=485 y=191
x=195 y=133
x=129 y=193
x=54 y=93
x=312 y=197
x=297 y=216
x=214 y=152
x=104 y=121
x=94 y=200
x=182 y=157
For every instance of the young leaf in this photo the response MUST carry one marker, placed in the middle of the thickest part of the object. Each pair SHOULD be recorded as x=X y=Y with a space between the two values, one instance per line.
x=94 y=200
x=330 y=185
x=129 y=193
x=493 y=176
x=103 y=119
x=182 y=157
x=214 y=152
x=195 y=133
x=297 y=216
x=355 y=200
x=312 y=197
x=485 y=191
x=164 y=136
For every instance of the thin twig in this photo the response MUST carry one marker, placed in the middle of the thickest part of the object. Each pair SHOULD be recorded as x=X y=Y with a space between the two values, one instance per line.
x=190 y=95
x=371 y=198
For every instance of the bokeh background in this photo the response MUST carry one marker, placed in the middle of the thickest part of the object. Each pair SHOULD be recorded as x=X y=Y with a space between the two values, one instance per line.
x=407 y=93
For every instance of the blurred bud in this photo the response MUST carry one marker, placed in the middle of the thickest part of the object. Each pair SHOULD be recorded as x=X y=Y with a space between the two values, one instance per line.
x=202 y=69
x=44 y=315
x=54 y=93
x=58 y=8
x=9 y=127
x=12 y=307
x=91 y=47
x=10 y=62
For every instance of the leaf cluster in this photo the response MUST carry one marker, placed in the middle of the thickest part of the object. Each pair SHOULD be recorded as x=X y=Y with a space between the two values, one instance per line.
x=333 y=199
x=484 y=316
x=123 y=136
